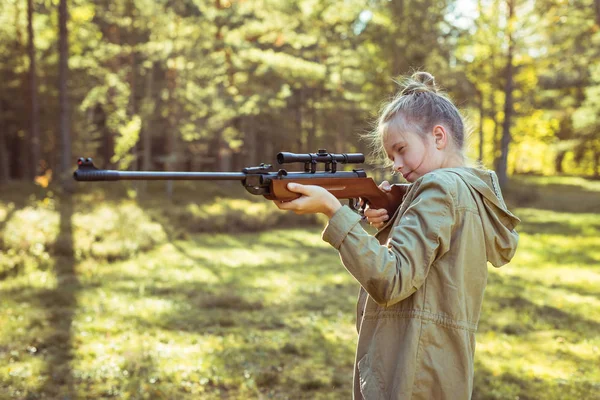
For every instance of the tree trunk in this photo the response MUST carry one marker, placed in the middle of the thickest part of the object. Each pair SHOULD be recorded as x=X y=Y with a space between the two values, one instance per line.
x=172 y=139
x=34 y=157
x=108 y=143
x=299 y=121
x=63 y=73
x=311 y=137
x=597 y=12
x=148 y=111
x=19 y=146
x=596 y=151
x=4 y=162
x=133 y=106
x=481 y=120
x=250 y=144
x=508 y=102
x=558 y=160
x=398 y=53
x=496 y=132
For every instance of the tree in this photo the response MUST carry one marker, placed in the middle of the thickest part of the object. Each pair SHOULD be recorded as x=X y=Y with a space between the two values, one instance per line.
x=565 y=69
x=63 y=75
x=34 y=116
x=508 y=96
x=222 y=84
x=4 y=162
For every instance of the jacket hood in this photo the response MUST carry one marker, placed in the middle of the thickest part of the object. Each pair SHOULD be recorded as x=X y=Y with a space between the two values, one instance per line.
x=498 y=223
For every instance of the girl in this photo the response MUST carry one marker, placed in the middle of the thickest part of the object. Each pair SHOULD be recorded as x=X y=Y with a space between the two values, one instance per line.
x=423 y=274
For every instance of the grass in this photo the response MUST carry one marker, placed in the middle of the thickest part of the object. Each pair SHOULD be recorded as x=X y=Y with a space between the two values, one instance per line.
x=117 y=295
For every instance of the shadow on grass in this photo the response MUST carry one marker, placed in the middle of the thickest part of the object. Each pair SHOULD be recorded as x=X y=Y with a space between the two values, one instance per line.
x=558 y=228
x=236 y=301
x=61 y=305
x=249 y=363
x=582 y=291
x=489 y=385
x=559 y=196
x=9 y=215
x=532 y=316
x=528 y=320
x=48 y=336
x=274 y=348
x=557 y=242
x=576 y=255
x=5 y=273
x=299 y=365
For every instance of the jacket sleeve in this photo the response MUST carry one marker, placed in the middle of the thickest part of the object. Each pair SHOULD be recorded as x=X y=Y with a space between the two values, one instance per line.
x=392 y=272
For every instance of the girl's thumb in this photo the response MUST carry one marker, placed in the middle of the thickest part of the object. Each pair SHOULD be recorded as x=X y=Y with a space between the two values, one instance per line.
x=385 y=186
x=295 y=187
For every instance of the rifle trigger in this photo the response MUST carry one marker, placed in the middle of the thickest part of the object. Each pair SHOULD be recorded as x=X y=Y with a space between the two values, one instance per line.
x=354 y=204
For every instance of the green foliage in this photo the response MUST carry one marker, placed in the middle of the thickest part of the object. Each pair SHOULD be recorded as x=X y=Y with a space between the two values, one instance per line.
x=188 y=85
x=129 y=136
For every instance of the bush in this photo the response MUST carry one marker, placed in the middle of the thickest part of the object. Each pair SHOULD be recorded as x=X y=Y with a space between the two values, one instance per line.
x=27 y=237
x=116 y=225
x=115 y=231
x=236 y=215
x=31 y=230
x=36 y=234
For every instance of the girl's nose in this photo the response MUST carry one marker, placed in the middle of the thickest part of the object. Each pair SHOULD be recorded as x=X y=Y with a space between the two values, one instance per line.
x=397 y=166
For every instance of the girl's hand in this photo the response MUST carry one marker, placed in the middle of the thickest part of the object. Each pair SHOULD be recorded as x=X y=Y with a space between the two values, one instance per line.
x=378 y=217
x=314 y=200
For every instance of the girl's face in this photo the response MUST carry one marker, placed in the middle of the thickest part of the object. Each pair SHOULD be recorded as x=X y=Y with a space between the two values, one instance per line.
x=412 y=154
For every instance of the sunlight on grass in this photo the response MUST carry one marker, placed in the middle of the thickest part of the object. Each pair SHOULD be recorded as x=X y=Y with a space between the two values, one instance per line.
x=25 y=367
x=140 y=322
x=540 y=322
x=127 y=302
x=561 y=181
x=31 y=229
x=545 y=355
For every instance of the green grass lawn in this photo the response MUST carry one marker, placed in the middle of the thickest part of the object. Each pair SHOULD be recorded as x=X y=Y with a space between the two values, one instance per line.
x=134 y=297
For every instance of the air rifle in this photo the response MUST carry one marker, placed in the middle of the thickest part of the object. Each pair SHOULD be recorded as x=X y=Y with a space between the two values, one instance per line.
x=261 y=180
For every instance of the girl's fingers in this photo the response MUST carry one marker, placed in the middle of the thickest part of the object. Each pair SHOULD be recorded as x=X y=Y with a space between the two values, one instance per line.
x=378 y=220
x=376 y=217
x=377 y=225
x=373 y=213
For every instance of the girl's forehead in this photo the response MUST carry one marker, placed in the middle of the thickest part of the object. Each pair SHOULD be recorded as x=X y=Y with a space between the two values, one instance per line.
x=394 y=132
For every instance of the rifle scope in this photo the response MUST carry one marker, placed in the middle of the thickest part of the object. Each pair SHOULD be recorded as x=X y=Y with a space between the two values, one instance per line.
x=322 y=156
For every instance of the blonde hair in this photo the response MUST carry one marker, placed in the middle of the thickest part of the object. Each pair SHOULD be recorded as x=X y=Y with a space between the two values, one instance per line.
x=419 y=106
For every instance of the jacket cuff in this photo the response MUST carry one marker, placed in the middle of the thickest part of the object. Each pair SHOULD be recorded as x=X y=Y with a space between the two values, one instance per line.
x=339 y=226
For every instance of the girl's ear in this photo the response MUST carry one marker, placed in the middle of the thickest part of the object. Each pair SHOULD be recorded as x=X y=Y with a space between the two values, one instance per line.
x=440 y=137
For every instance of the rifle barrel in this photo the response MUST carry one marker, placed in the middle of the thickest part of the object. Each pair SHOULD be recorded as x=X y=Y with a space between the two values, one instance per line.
x=87 y=175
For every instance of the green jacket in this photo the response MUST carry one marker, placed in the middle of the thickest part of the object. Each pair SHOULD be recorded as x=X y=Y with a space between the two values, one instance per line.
x=422 y=280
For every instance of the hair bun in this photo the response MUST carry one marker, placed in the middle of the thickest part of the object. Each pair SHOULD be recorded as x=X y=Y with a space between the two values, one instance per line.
x=425 y=78
x=420 y=82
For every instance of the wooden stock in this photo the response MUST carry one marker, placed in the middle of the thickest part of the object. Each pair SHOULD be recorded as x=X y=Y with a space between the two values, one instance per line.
x=345 y=188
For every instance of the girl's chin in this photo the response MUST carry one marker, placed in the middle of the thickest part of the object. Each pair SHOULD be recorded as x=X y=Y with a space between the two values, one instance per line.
x=409 y=177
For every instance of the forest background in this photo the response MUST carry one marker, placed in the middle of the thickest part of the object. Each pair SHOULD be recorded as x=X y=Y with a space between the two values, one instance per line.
x=201 y=290
x=198 y=85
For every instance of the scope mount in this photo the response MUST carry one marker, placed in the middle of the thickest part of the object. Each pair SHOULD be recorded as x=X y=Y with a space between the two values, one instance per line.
x=310 y=160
